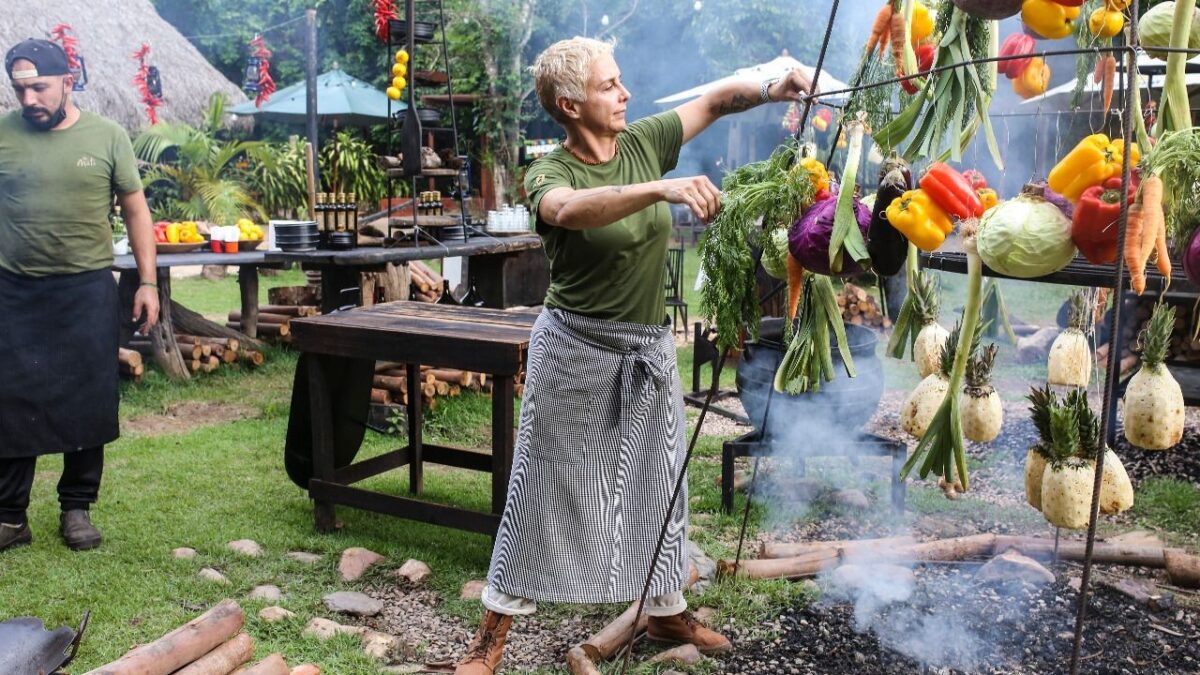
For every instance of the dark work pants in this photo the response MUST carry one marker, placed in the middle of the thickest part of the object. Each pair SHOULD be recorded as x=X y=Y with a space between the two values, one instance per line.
x=78 y=487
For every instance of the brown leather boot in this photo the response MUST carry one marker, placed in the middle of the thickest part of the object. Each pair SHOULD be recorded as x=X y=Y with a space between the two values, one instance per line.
x=684 y=627
x=77 y=530
x=487 y=648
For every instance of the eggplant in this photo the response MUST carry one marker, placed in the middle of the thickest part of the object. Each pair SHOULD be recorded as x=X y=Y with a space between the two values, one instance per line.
x=887 y=246
x=990 y=9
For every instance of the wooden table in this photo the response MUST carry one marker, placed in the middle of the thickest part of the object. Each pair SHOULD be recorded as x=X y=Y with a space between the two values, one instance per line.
x=166 y=349
x=479 y=340
x=340 y=270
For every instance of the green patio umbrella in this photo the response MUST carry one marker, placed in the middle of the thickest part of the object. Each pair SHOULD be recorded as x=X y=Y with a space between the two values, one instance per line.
x=341 y=99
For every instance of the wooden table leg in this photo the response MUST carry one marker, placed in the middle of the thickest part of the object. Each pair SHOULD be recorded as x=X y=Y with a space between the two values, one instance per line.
x=321 y=411
x=416 y=473
x=162 y=336
x=248 y=284
x=502 y=439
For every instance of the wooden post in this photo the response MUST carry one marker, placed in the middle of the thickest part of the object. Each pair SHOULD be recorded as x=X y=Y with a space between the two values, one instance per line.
x=248 y=285
x=166 y=350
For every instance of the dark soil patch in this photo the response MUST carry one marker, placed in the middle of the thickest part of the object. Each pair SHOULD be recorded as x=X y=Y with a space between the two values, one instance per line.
x=185 y=416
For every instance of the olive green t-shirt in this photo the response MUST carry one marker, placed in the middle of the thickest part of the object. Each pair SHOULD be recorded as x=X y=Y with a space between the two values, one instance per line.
x=613 y=272
x=56 y=190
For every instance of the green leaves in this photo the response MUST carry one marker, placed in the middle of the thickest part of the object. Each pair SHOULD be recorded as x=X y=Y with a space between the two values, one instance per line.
x=808 y=360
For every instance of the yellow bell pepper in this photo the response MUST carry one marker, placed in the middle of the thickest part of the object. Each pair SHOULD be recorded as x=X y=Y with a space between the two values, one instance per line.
x=988 y=198
x=173 y=233
x=919 y=219
x=922 y=23
x=1106 y=23
x=1094 y=160
x=816 y=173
x=1048 y=19
x=1034 y=81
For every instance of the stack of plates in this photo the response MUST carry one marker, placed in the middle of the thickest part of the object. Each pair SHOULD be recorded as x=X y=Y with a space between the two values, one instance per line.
x=296 y=235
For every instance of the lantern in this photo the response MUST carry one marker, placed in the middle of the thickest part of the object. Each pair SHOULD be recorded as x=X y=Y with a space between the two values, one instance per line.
x=250 y=77
x=154 y=82
x=80 y=74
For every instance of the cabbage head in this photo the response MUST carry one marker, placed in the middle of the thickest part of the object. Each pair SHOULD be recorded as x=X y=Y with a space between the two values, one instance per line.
x=1025 y=237
x=1154 y=29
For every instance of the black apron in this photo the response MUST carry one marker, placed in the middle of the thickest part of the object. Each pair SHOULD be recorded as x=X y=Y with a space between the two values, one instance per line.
x=59 y=374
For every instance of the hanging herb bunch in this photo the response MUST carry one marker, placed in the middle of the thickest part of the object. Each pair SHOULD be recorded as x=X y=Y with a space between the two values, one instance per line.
x=944 y=116
x=773 y=192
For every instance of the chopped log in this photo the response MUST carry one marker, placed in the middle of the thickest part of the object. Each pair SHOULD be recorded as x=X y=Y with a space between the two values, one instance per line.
x=452 y=376
x=771 y=550
x=1183 y=569
x=250 y=357
x=381 y=396
x=579 y=663
x=605 y=643
x=390 y=383
x=294 y=295
x=441 y=388
x=1141 y=591
x=191 y=323
x=223 y=659
x=228 y=343
x=265 y=329
x=226 y=355
x=455 y=390
x=209 y=363
x=263 y=317
x=428 y=390
x=291 y=310
x=272 y=665
x=130 y=358
x=186 y=351
x=193 y=365
x=814 y=562
x=1102 y=553
x=182 y=645
x=381 y=366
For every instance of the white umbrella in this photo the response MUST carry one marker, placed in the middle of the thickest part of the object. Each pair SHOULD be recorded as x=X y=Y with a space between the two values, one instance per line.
x=1145 y=63
x=777 y=67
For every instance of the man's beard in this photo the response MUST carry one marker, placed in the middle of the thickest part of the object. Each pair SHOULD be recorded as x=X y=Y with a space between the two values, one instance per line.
x=50 y=122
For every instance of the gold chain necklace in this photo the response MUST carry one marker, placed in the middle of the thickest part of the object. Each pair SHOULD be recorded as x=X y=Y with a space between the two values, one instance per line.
x=589 y=162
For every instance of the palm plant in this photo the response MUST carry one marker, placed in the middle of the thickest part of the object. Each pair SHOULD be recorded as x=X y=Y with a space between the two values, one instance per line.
x=194 y=175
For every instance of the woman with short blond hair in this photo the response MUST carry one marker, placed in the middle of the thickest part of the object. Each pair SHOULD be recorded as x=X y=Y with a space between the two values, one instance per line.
x=601 y=437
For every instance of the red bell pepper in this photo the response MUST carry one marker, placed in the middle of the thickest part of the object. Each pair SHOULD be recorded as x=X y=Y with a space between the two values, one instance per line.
x=1094 y=223
x=1016 y=44
x=951 y=191
x=822 y=195
x=925 y=56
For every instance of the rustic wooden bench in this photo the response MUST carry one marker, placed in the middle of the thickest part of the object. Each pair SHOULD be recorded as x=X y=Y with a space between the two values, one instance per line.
x=474 y=339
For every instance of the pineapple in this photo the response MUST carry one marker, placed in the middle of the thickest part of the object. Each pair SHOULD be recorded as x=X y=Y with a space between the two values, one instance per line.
x=923 y=403
x=979 y=404
x=927 y=348
x=1067 y=479
x=1116 y=490
x=1070 y=355
x=1153 y=399
x=1042 y=401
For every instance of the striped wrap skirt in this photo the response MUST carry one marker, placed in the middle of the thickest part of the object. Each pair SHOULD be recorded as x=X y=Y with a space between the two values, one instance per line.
x=600 y=444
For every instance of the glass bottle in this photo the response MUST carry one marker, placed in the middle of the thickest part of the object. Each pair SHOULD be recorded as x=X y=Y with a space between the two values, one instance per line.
x=472 y=298
x=447 y=297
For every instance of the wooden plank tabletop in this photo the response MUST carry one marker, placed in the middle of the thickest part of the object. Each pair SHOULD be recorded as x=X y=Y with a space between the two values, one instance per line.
x=366 y=257
x=127 y=262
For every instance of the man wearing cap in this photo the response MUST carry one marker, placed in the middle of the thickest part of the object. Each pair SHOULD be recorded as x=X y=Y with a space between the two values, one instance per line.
x=59 y=170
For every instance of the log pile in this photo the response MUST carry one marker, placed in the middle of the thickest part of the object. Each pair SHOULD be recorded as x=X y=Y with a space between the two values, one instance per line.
x=200 y=355
x=860 y=308
x=211 y=644
x=390 y=386
x=426 y=284
x=273 y=320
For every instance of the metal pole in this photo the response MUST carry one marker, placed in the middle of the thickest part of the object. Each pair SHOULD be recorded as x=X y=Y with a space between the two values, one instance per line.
x=310 y=82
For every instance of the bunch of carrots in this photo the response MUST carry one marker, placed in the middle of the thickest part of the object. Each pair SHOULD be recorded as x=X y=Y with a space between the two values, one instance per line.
x=1105 y=75
x=1146 y=233
x=888 y=29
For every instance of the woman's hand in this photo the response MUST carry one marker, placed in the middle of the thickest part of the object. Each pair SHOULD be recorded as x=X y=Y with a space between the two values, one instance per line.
x=791 y=87
x=697 y=192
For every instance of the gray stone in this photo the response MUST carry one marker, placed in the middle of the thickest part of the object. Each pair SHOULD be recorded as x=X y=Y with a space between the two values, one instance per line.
x=306 y=669
x=246 y=547
x=705 y=566
x=184 y=553
x=705 y=615
x=414 y=571
x=1010 y=567
x=209 y=574
x=274 y=614
x=685 y=654
x=266 y=592
x=1035 y=348
x=323 y=629
x=851 y=499
x=304 y=557
x=353 y=603
x=379 y=645
x=472 y=590
x=355 y=561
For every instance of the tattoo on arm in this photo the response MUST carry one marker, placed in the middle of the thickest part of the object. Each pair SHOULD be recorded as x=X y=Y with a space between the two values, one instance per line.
x=736 y=104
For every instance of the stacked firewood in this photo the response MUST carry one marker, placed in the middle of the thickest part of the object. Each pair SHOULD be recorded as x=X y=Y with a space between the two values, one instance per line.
x=1183 y=347
x=860 y=308
x=273 y=320
x=426 y=284
x=211 y=644
x=200 y=354
x=390 y=386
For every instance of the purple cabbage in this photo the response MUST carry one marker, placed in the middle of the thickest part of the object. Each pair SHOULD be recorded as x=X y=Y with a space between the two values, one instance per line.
x=809 y=236
x=1191 y=259
x=1063 y=204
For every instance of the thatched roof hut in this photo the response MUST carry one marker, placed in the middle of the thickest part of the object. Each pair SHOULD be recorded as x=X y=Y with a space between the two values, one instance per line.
x=108 y=32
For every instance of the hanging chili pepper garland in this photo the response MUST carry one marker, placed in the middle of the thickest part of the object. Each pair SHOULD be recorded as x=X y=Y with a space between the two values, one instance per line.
x=266 y=84
x=143 y=80
x=70 y=44
x=385 y=11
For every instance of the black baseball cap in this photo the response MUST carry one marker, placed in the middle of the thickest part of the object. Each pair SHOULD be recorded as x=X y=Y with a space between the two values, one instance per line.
x=47 y=58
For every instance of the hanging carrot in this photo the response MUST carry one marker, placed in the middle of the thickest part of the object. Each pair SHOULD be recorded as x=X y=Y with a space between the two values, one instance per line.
x=1163 y=258
x=898 y=38
x=795 y=284
x=879 y=29
x=1133 y=245
x=1154 y=221
x=1107 y=78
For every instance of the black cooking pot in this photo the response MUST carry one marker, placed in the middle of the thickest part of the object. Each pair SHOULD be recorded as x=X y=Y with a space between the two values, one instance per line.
x=844 y=404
